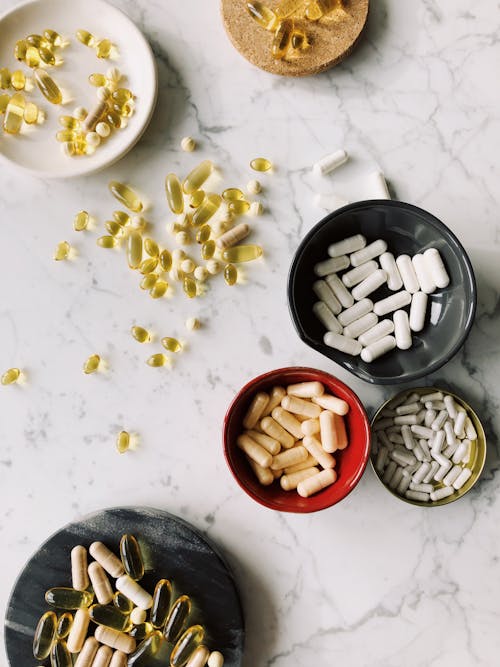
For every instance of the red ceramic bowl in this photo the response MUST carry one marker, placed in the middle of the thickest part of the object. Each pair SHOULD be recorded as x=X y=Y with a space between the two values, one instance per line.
x=350 y=463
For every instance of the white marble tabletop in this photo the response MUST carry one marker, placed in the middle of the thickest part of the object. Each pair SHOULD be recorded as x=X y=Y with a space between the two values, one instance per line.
x=372 y=581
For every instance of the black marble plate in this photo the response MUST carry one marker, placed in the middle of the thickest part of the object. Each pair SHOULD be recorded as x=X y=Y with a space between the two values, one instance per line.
x=171 y=548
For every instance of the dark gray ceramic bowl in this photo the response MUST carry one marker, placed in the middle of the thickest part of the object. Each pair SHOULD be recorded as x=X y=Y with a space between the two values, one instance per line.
x=407 y=230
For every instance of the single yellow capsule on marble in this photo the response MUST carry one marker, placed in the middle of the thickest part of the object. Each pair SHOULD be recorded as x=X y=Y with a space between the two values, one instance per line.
x=261 y=164
x=62 y=251
x=157 y=360
x=189 y=286
x=171 y=344
x=32 y=57
x=242 y=253
x=196 y=199
x=85 y=37
x=103 y=48
x=151 y=248
x=208 y=249
x=48 y=87
x=232 y=194
x=14 y=114
x=114 y=228
x=122 y=444
x=126 y=196
x=107 y=241
x=140 y=334
x=149 y=281
x=160 y=289
x=166 y=260
x=230 y=274
x=92 y=364
x=81 y=221
x=18 y=80
x=11 y=376
x=148 y=265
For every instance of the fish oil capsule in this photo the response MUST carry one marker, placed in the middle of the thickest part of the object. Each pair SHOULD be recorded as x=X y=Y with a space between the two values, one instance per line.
x=208 y=250
x=4 y=100
x=115 y=639
x=53 y=37
x=232 y=194
x=92 y=364
x=66 y=135
x=110 y=616
x=102 y=129
x=14 y=114
x=114 y=228
x=122 y=602
x=282 y=38
x=122 y=95
x=20 y=49
x=112 y=117
x=230 y=274
x=48 y=87
x=196 y=199
x=60 y=655
x=263 y=15
x=316 y=483
x=239 y=207
x=81 y=221
x=78 y=633
x=103 y=48
x=141 y=631
x=106 y=242
x=45 y=55
x=138 y=616
x=165 y=260
x=208 y=208
x=147 y=650
x=11 y=376
x=189 y=286
x=173 y=191
x=68 y=598
x=106 y=559
x=100 y=583
x=261 y=164
x=159 y=290
x=436 y=268
x=17 y=80
x=131 y=556
x=157 y=360
x=149 y=281
x=64 y=625
x=186 y=645
x=140 y=334
x=216 y=659
x=241 y=253
x=134 y=250
x=126 y=196
x=123 y=441
x=37 y=41
x=233 y=236
x=199 y=657
x=45 y=635
x=195 y=179
x=148 y=265
x=188 y=144
x=62 y=251
x=177 y=618
x=5 y=77
x=171 y=344
x=32 y=57
x=203 y=234
x=79 y=575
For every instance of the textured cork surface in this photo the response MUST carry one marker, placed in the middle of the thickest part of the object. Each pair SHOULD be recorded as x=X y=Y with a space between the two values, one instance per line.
x=332 y=41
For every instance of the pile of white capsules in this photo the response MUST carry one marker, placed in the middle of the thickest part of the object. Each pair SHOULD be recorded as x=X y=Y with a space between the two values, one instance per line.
x=423 y=445
x=290 y=434
x=351 y=318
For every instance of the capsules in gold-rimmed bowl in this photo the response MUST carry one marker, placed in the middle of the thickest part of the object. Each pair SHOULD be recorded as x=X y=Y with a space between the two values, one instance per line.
x=428 y=446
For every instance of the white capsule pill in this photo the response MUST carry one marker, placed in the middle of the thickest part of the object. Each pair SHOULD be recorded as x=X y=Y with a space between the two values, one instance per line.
x=449 y=432
x=441 y=493
x=288 y=482
x=78 y=632
x=254 y=451
x=305 y=389
x=461 y=451
x=424 y=277
x=436 y=268
x=134 y=591
x=381 y=459
x=460 y=424
x=326 y=317
x=418 y=310
x=330 y=202
x=422 y=431
x=100 y=583
x=408 y=409
x=289 y=457
x=346 y=246
x=358 y=327
x=424 y=446
x=434 y=396
x=402 y=330
x=325 y=294
x=378 y=185
x=452 y=475
x=79 y=575
x=138 y=616
x=429 y=417
x=359 y=273
x=402 y=457
x=313 y=446
x=417 y=495
x=316 y=483
x=377 y=332
x=342 y=343
x=289 y=423
x=275 y=397
x=425 y=488
x=382 y=424
x=462 y=478
x=370 y=252
x=330 y=162
x=270 y=444
x=310 y=427
x=450 y=406
x=310 y=462
x=389 y=472
x=403 y=484
x=442 y=471
x=355 y=312
x=405 y=419
x=255 y=409
x=369 y=285
x=264 y=475
x=377 y=349
x=438 y=423
x=300 y=406
x=332 y=265
x=409 y=471
x=87 y=654
x=407 y=272
x=333 y=431
x=388 y=264
x=450 y=450
x=332 y=403
x=407 y=436
x=470 y=431
x=391 y=303
x=395 y=479
x=434 y=467
x=340 y=291
x=216 y=659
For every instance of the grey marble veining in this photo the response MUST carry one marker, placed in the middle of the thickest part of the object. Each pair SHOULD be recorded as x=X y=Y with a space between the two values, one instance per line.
x=371 y=582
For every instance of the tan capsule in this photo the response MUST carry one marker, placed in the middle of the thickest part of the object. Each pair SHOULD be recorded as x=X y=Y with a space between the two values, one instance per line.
x=272 y=445
x=311 y=485
x=100 y=583
x=271 y=427
x=135 y=592
x=88 y=653
x=288 y=421
x=288 y=482
x=107 y=559
x=289 y=457
x=119 y=659
x=138 y=616
x=305 y=389
x=310 y=426
x=103 y=657
x=275 y=397
x=314 y=448
x=115 y=639
x=94 y=116
x=310 y=462
x=233 y=236
x=333 y=433
x=254 y=451
x=264 y=475
x=79 y=575
x=198 y=657
x=78 y=633
x=301 y=407
x=332 y=403
x=255 y=410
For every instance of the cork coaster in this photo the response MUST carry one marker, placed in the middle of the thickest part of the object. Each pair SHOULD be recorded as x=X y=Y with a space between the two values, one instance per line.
x=331 y=40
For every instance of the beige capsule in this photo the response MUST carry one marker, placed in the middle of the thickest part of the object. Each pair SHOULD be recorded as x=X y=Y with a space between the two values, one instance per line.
x=311 y=485
x=310 y=462
x=299 y=406
x=264 y=475
x=275 y=398
x=288 y=421
x=216 y=659
x=310 y=426
x=305 y=389
x=332 y=403
x=78 y=632
x=94 y=116
x=103 y=657
x=115 y=639
x=271 y=427
x=290 y=457
x=292 y=480
x=138 y=616
x=79 y=575
x=233 y=236
x=88 y=653
x=119 y=659
x=257 y=407
x=135 y=592
x=107 y=559
x=315 y=449
x=100 y=583
x=199 y=657
x=333 y=433
x=272 y=445
x=254 y=451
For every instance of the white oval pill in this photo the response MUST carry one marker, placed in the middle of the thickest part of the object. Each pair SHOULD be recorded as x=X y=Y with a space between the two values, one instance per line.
x=377 y=332
x=369 y=285
x=391 y=303
x=355 y=312
x=346 y=246
x=370 y=252
x=423 y=274
x=388 y=263
x=359 y=273
x=407 y=272
x=332 y=265
x=402 y=330
x=377 y=349
x=359 y=327
x=418 y=311
x=437 y=268
x=330 y=162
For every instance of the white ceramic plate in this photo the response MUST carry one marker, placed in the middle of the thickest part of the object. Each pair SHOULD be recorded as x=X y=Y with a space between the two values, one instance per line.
x=36 y=149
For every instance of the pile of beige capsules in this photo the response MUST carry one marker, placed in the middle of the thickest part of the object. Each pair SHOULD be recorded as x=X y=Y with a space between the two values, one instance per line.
x=288 y=20
x=130 y=626
x=83 y=131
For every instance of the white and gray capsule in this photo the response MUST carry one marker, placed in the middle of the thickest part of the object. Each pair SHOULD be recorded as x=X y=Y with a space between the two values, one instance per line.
x=377 y=349
x=369 y=284
x=326 y=317
x=392 y=303
x=388 y=263
x=377 y=332
x=418 y=310
x=369 y=252
x=332 y=265
x=402 y=330
x=359 y=273
x=355 y=312
x=324 y=293
x=341 y=292
x=358 y=327
x=347 y=246
x=407 y=273
x=437 y=268
x=424 y=276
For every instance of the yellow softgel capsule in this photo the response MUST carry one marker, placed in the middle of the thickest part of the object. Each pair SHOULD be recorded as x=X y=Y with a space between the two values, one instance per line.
x=60 y=655
x=48 y=87
x=261 y=164
x=196 y=199
x=166 y=260
x=81 y=221
x=5 y=77
x=126 y=196
x=300 y=41
x=68 y=598
x=107 y=242
x=10 y=377
x=131 y=556
x=113 y=119
x=53 y=37
x=232 y=194
x=134 y=250
x=20 y=49
x=98 y=80
x=264 y=16
x=85 y=37
x=161 y=603
x=186 y=645
x=64 y=625
x=151 y=248
x=46 y=55
x=4 y=100
x=122 y=95
x=171 y=344
x=148 y=265
x=92 y=364
x=62 y=251
x=32 y=57
x=203 y=234
x=189 y=286
x=103 y=48
x=30 y=113
x=210 y=206
x=159 y=290
x=66 y=135
x=114 y=228
x=121 y=217
x=282 y=38
x=122 y=444
x=242 y=253
x=177 y=618
x=195 y=179
x=122 y=603
x=69 y=123
x=208 y=249
x=230 y=274
x=140 y=334
x=18 y=80
x=149 y=281
x=286 y=8
x=45 y=634
x=173 y=190
x=157 y=360
x=37 y=40
x=239 y=207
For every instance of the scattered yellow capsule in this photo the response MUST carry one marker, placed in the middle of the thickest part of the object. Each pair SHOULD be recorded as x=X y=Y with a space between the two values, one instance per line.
x=114 y=228
x=123 y=442
x=208 y=250
x=230 y=274
x=69 y=123
x=126 y=196
x=300 y=41
x=4 y=100
x=66 y=135
x=30 y=113
x=196 y=199
x=46 y=55
x=4 y=78
x=32 y=57
x=210 y=206
x=92 y=364
x=121 y=217
x=134 y=250
x=281 y=41
x=37 y=40
x=62 y=251
x=81 y=221
x=20 y=50
x=189 y=286
x=122 y=95
x=97 y=80
x=113 y=119
x=165 y=260
x=85 y=37
x=148 y=265
x=48 y=87
x=261 y=164
x=239 y=207
x=264 y=16
x=173 y=190
x=103 y=48
x=157 y=360
x=18 y=80
x=149 y=281
x=11 y=376
x=53 y=37
x=242 y=253
x=151 y=248
x=232 y=194
x=141 y=334
x=203 y=234
x=159 y=289
x=195 y=179
x=107 y=241
x=171 y=344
